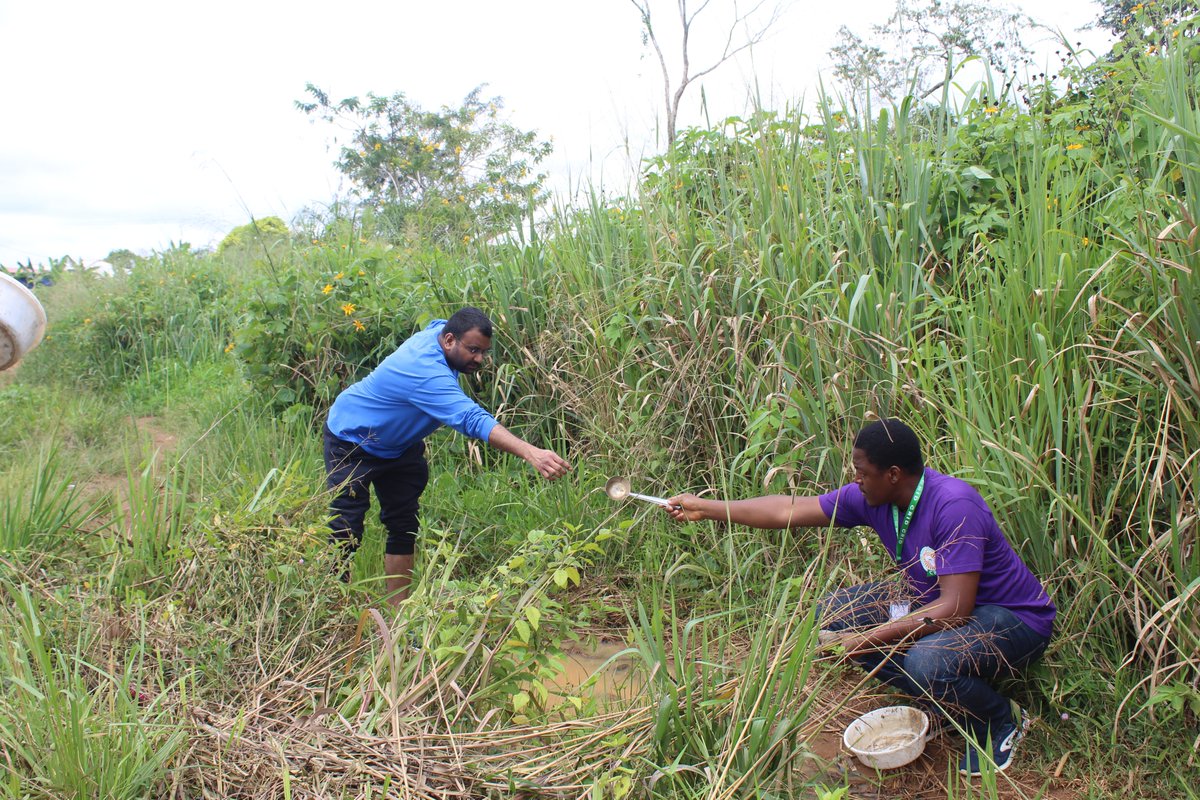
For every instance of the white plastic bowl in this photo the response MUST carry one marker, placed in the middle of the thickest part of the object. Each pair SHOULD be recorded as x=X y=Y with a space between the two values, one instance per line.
x=888 y=737
x=22 y=321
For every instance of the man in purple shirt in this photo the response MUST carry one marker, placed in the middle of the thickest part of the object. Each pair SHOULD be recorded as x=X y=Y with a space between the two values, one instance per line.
x=375 y=436
x=969 y=610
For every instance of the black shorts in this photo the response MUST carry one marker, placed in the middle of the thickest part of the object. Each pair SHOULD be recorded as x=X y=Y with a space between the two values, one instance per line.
x=350 y=472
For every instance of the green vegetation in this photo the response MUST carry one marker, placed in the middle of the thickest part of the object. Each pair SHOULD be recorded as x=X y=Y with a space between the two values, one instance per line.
x=260 y=233
x=449 y=176
x=1021 y=283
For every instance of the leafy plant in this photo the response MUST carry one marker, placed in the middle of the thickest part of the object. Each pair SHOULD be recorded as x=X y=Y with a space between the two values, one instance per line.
x=452 y=175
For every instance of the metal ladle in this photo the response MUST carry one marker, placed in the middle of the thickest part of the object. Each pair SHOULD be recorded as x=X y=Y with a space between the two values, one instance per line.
x=618 y=489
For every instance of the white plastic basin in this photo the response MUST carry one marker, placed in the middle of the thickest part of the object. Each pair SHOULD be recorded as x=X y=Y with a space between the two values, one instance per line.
x=22 y=321
x=889 y=737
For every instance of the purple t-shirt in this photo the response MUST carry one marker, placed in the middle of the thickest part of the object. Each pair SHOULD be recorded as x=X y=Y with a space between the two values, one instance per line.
x=952 y=531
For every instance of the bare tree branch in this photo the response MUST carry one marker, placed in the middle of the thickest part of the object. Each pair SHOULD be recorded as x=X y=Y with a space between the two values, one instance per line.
x=922 y=41
x=673 y=99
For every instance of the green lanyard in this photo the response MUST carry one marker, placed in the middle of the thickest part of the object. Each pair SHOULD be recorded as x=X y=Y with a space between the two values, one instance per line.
x=902 y=528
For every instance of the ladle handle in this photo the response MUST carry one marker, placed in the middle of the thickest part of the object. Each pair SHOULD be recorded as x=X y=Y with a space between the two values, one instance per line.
x=649 y=498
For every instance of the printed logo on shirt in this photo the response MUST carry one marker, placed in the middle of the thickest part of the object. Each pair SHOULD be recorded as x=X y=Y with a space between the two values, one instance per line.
x=929 y=560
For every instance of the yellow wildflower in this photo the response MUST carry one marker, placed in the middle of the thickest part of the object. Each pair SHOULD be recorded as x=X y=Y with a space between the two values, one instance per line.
x=229 y=347
x=327 y=288
x=358 y=326
x=361 y=273
x=783 y=187
x=458 y=150
x=87 y=320
x=992 y=110
x=348 y=308
x=1086 y=241
x=378 y=145
x=339 y=276
x=1075 y=146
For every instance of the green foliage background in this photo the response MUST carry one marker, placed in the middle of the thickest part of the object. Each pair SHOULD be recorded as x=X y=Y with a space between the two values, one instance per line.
x=1022 y=283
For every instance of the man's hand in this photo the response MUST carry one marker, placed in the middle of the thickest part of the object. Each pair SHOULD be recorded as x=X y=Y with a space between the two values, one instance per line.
x=826 y=638
x=841 y=643
x=685 y=507
x=550 y=465
x=854 y=644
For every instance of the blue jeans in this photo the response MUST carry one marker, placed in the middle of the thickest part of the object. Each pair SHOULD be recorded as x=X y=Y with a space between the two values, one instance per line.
x=955 y=667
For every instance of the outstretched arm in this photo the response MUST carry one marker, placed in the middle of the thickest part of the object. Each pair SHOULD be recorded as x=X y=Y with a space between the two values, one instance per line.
x=775 y=511
x=548 y=463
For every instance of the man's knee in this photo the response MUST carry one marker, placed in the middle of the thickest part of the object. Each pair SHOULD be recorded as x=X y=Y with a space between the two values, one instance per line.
x=931 y=669
x=400 y=543
x=347 y=518
x=401 y=523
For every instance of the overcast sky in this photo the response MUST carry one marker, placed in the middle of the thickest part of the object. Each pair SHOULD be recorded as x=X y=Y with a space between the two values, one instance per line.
x=133 y=124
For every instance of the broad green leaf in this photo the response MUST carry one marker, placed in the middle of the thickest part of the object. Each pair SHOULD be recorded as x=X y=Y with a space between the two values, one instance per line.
x=534 y=616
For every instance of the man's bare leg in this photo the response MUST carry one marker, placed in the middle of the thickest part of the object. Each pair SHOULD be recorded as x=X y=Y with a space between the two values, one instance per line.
x=399 y=575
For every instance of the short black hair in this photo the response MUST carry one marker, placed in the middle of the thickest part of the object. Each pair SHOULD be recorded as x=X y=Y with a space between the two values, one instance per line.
x=890 y=443
x=468 y=318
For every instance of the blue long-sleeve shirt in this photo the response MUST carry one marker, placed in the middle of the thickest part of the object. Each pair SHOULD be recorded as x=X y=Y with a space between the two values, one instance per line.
x=412 y=393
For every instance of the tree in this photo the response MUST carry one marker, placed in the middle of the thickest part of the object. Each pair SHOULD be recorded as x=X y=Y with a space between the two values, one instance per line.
x=454 y=174
x=733 y=45
x=261 y=232
x=916 y=50
x=1142 y=25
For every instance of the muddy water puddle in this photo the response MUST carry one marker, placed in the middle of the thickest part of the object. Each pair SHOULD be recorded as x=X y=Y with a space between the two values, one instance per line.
x=604 y=671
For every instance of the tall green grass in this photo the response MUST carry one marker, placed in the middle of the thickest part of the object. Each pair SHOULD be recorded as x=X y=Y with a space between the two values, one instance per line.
x=72 y=728
x=43 y=505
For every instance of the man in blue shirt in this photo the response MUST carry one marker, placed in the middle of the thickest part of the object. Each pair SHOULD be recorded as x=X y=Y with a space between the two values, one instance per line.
x=969 y=609
x=375 y=434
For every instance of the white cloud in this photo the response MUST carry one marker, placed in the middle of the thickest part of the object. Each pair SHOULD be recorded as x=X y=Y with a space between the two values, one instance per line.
x=135 y=124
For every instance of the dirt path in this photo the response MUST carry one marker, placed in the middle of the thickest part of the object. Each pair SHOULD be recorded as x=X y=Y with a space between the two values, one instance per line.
x=162 y=444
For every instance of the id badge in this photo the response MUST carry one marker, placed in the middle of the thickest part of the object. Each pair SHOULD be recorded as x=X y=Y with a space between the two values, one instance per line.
x=898 y=610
